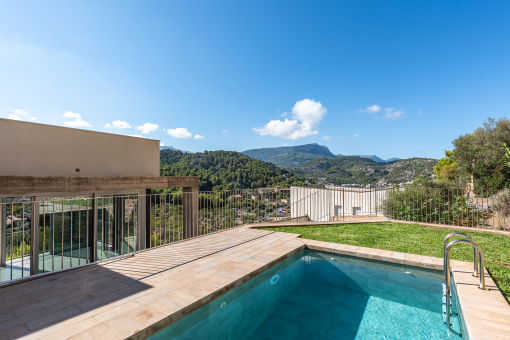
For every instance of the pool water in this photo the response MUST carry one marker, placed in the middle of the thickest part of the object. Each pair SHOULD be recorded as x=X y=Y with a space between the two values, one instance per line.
x=317 y=295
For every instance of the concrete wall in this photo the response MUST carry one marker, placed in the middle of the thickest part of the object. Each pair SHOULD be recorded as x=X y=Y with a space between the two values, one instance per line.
x=323 y=204
x=30 y=149
x=32 y=186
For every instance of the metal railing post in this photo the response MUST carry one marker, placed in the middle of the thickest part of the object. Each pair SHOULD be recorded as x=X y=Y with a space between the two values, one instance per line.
x=3 y=231
x=34 y=237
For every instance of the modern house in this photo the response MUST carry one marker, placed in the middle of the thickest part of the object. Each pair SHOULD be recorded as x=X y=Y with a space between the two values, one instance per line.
x=70 y=197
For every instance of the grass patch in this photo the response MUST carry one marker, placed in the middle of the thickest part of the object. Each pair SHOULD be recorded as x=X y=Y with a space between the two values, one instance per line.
x=416 y=239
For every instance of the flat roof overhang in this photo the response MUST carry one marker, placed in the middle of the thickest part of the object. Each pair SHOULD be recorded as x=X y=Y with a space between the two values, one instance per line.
x=27 y=185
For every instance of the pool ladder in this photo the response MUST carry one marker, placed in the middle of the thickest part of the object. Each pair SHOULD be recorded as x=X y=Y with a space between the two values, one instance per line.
x=478 y=270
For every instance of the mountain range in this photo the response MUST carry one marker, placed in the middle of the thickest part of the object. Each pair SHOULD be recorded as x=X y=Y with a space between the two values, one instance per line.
x=222 y=170
x=290 y=156
x=294 y=156
x=377 y=159
x=362 y=170
x=172 y=148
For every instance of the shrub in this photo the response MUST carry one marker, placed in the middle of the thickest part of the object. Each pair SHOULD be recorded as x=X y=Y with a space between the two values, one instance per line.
x=501 y=202
x=433 y=205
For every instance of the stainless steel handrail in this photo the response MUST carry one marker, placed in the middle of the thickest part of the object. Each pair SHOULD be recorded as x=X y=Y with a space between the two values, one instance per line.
x=447 y=278
x=475 y=260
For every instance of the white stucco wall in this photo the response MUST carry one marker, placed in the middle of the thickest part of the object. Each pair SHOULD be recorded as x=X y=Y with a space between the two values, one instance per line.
x=321 y=204
x=30 y=149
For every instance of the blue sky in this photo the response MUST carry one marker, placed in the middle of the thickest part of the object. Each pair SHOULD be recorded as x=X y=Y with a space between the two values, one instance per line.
x=237 y=75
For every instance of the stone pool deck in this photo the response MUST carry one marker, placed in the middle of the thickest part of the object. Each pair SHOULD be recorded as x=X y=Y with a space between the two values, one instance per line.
x=135 y=297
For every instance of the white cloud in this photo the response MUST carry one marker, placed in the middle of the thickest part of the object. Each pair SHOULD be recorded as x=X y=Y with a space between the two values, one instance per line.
x=306 y=116
x=70 y=114
x=20 y=115
x=108 y=125
x=77 y=123
x=199 y=137
x=14 y=117
x=327 y=137
x=147 y=127
x=420 y=113
x=341 y=138
x=120 y=124
x=20 y=112
x=179 y=133
x=161 y=144
x=284 y=144
x=390 y=114
x=224 y=131
x=139 y=136
x=371 y=109
x=356 y=135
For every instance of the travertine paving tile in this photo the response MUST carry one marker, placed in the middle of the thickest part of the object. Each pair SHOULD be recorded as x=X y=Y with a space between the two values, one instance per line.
x=114 y=312
x=351 y=251
x=11 y=323
x=412 y=260
x=127 y=325
x=7 y=316
x=428 y=262
x=76 y=337
x=41 y=332
x=385 y=255
x=15 y=332
x=181 y=298
x=101 y=332
x=70 y=331
x=342 y=249
x=398 y=257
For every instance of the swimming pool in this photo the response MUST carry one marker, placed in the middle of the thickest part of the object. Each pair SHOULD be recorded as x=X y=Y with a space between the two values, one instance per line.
x=319 y=295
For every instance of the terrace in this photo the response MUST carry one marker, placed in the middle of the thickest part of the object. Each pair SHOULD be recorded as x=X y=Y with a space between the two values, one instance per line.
x=106 y=256
x=130 y=292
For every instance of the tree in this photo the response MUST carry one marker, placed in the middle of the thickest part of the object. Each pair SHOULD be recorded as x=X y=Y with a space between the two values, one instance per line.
x=446 y=168
x=17 y=210
x=480 y=155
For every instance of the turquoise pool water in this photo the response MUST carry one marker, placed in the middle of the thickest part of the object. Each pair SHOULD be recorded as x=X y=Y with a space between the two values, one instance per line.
x=316 y=295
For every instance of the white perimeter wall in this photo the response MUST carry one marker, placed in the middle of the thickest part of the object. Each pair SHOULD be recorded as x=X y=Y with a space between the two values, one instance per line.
x=29 y=149
x=319 y=204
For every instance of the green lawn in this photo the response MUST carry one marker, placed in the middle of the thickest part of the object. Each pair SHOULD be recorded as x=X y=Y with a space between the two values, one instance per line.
x=416 y=239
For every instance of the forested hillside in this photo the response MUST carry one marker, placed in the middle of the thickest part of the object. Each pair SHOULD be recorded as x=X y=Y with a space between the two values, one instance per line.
x=222 y=170
x=352 y=169
x=290 y=156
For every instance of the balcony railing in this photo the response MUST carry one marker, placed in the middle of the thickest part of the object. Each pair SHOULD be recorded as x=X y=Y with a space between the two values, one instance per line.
x=52 y=234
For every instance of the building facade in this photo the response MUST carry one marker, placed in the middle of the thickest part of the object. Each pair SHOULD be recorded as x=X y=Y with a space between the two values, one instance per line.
x=329 y=203
x=71 y=197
